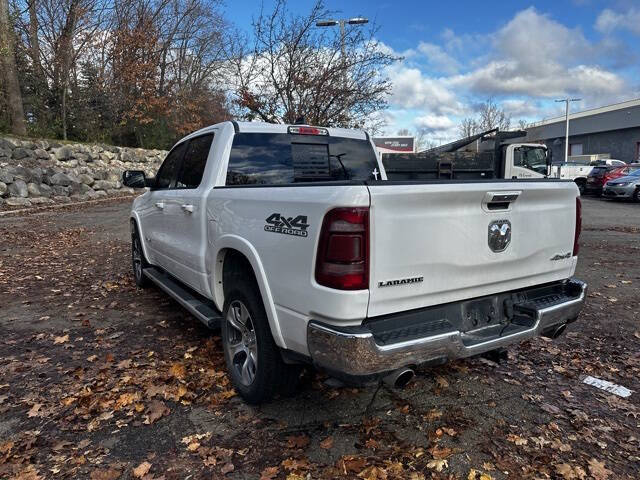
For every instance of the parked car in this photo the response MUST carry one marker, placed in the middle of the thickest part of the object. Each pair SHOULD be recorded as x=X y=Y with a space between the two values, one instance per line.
x=602 y=174
x=597 y=178
x=292 y=240
x=624 y=187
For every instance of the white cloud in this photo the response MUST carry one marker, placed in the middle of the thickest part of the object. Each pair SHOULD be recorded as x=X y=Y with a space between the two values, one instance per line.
x=539 y=57
x=434 y=123
x=609 y=21
x=412 y=89
x=438 y=58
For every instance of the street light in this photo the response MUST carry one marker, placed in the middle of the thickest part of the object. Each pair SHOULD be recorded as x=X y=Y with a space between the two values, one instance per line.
x=342 y=22
x=566 y=132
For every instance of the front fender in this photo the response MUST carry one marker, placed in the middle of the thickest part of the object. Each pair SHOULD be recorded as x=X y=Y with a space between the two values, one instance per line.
x=243 y=246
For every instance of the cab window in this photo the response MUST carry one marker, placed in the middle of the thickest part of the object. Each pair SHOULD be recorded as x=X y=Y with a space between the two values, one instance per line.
x=167 y=174
x=194 y=161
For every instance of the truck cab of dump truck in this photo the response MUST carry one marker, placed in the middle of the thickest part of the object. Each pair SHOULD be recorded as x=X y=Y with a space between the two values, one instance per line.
x=525 y=160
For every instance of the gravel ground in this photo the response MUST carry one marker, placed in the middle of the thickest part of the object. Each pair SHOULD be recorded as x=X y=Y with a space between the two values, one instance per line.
x=100 y=380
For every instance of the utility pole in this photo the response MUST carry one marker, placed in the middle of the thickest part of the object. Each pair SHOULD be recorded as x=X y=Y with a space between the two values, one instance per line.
x=566 y=132
x=342 y=23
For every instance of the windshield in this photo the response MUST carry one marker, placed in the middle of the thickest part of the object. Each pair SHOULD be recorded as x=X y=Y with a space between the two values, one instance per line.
x=533 y=158
x=635 y=172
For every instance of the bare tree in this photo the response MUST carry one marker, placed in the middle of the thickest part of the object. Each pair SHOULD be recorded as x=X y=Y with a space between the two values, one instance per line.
x=295 y=69
x=10 y=71
x=468 y=127
x=490 y=115
x=522 y=124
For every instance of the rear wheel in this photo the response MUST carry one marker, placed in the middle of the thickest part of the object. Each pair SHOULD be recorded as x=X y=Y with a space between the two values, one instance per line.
x=138 y=261
x=253 y=359
x=636 y=195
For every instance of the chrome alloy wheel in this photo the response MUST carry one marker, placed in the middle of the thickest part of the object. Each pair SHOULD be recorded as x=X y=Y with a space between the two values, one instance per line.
x=136 y=257
x=241 y=344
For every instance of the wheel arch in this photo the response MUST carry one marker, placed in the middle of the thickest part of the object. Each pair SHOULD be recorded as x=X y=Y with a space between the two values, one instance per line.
x=135 y=222
x=238 y=249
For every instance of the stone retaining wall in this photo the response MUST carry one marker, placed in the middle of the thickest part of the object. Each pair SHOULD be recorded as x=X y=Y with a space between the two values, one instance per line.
x=36 y=172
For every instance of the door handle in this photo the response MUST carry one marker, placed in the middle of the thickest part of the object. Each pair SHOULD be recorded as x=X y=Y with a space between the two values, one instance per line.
x=160 y=205
x=187 y=208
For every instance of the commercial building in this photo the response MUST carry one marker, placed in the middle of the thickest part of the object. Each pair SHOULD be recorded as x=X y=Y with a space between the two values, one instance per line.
x=395 y=144
x=613 y=129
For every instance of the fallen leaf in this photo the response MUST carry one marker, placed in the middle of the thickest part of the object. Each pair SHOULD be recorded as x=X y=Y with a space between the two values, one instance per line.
x=269 y=473
x=442 y=382
x=518 y=440
x=477 y=475
x=62 y=339
x=440 y=453
x=35 y=410
x=178 y=370
x=437 y=464
x=597 y=470
x=156 y=410
x=373 y=473
x=227 y=468
x=327 y=443
x=297 y=441
x=141 y=470
x=569 y=472
x=109 y=474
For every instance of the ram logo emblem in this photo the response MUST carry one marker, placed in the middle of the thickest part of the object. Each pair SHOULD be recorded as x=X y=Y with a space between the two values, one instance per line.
x=499 y=235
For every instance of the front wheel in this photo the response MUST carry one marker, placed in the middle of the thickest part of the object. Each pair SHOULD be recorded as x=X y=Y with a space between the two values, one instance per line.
x=138 y=261
x=636 y=195
x=253 y=359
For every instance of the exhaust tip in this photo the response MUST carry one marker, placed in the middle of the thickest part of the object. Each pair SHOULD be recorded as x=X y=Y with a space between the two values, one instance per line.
x=399 y=378
x=559 y=331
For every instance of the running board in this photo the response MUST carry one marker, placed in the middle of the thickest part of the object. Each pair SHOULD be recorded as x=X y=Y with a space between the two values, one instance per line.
x=199 y=306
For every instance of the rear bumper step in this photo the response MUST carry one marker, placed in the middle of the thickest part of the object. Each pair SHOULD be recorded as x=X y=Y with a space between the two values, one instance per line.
x=444 y=333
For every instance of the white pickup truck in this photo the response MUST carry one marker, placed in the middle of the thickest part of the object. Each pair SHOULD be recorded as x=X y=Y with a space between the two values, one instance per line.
x=292 y=240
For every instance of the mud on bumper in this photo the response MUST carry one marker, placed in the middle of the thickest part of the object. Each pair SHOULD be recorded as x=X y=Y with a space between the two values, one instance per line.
x=445 y=332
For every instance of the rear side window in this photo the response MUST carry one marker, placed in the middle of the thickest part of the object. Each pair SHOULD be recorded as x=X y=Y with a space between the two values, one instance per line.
x=283 y=158
x=195 y=159
x=169 y=168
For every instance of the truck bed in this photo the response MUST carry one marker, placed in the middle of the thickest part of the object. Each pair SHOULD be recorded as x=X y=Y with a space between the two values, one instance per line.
x=447 y=165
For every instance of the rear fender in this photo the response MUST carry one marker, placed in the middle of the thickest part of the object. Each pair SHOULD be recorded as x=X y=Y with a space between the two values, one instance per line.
x=241 y=245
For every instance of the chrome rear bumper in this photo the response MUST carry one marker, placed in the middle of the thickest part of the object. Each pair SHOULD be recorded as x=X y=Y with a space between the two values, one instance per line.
x=357 y=353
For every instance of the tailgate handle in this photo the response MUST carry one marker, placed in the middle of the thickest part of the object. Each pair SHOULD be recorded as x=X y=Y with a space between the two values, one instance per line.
x=499 y=200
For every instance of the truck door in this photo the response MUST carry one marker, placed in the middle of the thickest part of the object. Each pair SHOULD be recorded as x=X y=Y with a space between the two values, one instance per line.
x=186 y=214
x=525 y=161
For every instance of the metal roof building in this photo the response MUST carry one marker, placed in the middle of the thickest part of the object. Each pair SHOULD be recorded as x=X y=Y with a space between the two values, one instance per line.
x=613 y=129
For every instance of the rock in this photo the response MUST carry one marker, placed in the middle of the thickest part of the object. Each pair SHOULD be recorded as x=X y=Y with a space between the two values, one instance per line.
x=63 y=153
x=5 y=152
x=100 y=193
x=62 y=199
x=81 y=157
x=40 y=200
x=36 y=175
x=86 y=179
x=79 y=197
x=60 y=179
x=33 y=190
x=3 y=189
x=20 y=173
x=20 y=153
x=127 y=190
x=18 y=202
x=18 y=189
x=41 y=154
x=126 y=156
x=107 y=155
x=6 y=177
x=8 y=143
x=61 y=191
x=100 y=174
x=42 y=144
x=45 y=190
x=104 y=185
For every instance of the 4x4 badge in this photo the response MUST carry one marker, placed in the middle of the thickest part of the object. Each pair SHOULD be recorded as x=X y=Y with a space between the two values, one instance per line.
x=278 y=223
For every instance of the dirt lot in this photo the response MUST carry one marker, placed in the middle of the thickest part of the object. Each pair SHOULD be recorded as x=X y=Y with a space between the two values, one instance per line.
x=100 y=380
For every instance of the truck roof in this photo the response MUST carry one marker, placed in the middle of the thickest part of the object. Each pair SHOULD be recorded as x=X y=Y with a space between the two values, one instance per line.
x=264 y=127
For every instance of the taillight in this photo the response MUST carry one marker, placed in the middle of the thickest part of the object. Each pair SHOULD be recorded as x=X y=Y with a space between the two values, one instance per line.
x=576 y=238
x=343 y=251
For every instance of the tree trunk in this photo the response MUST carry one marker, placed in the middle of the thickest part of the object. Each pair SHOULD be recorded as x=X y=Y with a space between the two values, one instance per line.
x=34 y=43
x=8 y=62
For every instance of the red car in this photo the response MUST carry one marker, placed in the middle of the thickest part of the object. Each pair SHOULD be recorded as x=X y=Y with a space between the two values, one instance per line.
x=601 y=174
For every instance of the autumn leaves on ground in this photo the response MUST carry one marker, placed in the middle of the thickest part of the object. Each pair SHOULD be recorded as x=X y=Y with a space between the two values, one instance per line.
x=100 y=380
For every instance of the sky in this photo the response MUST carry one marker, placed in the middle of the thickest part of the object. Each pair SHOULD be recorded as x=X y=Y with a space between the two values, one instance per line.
x=523 y=55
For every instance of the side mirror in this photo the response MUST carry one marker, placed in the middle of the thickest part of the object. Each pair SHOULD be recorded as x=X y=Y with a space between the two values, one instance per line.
x=549 y=161
x=135 y=179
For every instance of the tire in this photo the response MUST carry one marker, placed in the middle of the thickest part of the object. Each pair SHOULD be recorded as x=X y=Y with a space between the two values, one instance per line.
x=636 y=195
x=138 y=260
x=253 y=359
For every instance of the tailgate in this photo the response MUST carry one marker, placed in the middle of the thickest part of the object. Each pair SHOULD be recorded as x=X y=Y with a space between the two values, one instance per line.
x=430 y=242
